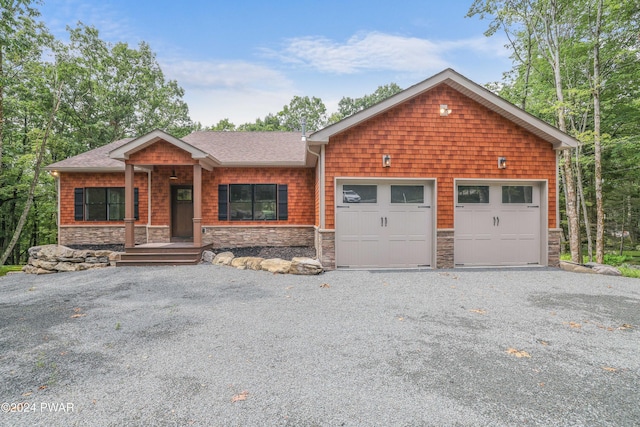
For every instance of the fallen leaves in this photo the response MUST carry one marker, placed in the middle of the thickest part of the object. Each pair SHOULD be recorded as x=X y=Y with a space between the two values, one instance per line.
x=518 y=353
x=240 y=397
x=609 y=369
x=78 y=313
x=573 y=325
x=325 y=285
x=478 y=311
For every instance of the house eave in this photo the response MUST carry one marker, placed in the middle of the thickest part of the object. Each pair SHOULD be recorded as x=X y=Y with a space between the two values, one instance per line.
x=93 y=169
x=485 y=97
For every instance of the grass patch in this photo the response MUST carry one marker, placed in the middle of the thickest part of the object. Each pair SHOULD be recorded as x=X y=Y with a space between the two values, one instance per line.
x=629 y=272
x=6 y=268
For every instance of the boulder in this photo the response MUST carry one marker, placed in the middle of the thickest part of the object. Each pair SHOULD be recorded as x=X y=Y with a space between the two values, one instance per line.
x=244 y=262
x=607 y=270
x=276 y=265
x=47 y=265
x=53 y=252
x=576 y=268
x=306 y=266
x=113 y=258
x=67 y=266
x=207 y=257
x=223 y=258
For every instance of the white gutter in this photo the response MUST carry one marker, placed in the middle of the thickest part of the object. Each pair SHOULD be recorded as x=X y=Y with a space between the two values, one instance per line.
x=148 y=204
x=321 y=183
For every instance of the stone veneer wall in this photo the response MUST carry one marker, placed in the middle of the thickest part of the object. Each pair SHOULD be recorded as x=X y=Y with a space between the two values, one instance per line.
x=159 y=234
x=241 y=236
x=444 y=248
x=555 y=236
x=326 y=248
x=98 y=235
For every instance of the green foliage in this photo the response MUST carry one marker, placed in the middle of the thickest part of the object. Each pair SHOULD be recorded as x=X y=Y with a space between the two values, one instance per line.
x=4 y=269
x=349 y=106
x=109 y=91
x=629 y=272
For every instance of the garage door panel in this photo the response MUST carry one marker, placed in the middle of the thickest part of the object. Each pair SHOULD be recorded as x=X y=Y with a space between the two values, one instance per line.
x=395 y=231
x=499 y=225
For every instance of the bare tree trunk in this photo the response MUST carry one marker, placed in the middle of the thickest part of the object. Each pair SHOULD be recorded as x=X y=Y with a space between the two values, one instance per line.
x=597 y=138
x=583 y=204
x=36 y=176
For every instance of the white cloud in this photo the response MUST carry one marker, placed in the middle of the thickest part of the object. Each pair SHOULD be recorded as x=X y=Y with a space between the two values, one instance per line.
x=237 y=90
x=377 y=51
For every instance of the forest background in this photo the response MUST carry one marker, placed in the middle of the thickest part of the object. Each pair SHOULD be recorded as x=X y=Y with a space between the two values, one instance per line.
x=575 y=65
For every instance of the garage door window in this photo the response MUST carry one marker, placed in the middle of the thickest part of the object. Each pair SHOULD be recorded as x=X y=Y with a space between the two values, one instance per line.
x=473 y=194
x=517 y=194
x=407 y=194
x=359 y=194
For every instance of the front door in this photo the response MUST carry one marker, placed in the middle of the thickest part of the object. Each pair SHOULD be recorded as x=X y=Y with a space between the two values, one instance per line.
x=182 y=212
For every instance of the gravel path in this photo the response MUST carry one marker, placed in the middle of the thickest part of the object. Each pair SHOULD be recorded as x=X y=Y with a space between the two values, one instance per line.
x=208 y=345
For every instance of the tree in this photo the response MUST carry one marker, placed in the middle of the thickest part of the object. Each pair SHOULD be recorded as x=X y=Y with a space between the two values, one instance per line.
x=224 y=125
x=349 y=106
x=311 y=110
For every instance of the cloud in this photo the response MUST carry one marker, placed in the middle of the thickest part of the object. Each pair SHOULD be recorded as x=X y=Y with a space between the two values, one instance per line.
x=375 y=51
x=237 y=90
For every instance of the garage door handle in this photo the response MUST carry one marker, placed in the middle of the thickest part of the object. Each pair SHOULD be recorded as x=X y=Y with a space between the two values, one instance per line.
x=385 y=221
x=498 y=222
x=381 y=222
x=494 y=221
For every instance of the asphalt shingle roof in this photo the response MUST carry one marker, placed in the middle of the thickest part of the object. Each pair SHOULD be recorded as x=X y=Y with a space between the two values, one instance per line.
x=229 y=148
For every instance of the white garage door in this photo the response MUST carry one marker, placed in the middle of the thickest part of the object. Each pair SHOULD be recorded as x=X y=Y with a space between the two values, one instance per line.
x=497 y=224
x=384 y=224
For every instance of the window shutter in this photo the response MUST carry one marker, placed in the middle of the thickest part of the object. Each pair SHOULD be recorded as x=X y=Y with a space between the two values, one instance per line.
x=283 y=208
x=78 y=203
x=223 y=202
x=136 y=211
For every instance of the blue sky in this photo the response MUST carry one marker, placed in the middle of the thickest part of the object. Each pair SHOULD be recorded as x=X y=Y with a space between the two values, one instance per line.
x=244 y=59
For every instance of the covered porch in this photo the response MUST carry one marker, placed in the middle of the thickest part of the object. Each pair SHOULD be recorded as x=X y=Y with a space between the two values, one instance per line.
x=175 y=205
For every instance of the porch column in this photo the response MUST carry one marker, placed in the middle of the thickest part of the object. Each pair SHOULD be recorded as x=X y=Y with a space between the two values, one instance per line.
x=197 y=205
x=129 y=219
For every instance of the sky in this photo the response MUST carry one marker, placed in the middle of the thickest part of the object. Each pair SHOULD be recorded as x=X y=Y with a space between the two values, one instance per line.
x=243 y=59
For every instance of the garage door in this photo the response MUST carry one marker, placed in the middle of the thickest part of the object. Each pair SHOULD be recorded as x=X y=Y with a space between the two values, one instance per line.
x=497 y=224
x=384 y=224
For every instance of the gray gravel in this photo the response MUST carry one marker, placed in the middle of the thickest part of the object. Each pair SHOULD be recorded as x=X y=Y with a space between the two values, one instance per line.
x=208 y=345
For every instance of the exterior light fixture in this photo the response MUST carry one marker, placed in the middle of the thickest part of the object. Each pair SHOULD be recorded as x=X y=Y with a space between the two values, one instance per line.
x=386 y=161
x=444 y=110
x=173 y=176
x=55 y=174
x=502 y=162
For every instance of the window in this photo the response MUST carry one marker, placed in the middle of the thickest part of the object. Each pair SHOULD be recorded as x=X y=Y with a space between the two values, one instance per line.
x=517 y=194
x=359 y=194
x=252 y=202
x=407 y=194
x=473 y=194
x=101 y=203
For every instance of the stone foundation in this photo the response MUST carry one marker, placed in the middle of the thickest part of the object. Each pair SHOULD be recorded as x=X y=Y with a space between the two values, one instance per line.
x=98 y=235
x=246 y=236
x=158 y=234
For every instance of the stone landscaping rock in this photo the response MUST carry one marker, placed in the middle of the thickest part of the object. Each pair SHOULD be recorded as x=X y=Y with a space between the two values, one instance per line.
x=276 y=265
x=242 y=263
x=575 y=268
x=306 y=266
x=607 y=270
x=223 y=258
x=207 y=256
x=53 y=258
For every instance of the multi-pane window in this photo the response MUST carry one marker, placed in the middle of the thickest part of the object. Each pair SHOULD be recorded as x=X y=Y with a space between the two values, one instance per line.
x=253 y=201
x=104 y=204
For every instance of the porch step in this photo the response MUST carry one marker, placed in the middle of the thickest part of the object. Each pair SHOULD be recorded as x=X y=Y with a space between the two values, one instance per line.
x=145 y=255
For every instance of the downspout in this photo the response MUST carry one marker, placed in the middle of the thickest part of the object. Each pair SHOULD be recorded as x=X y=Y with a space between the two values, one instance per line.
x=321 y=183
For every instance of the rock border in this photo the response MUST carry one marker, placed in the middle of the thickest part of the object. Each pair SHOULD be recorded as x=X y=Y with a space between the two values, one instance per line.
x=297 y=265
x=49 y=259
x=590 y=268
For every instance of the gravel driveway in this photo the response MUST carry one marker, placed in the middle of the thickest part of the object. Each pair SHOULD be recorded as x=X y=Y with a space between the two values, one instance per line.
x=214 y=346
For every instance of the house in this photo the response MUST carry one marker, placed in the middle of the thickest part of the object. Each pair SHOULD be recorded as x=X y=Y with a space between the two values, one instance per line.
x=443 y=174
